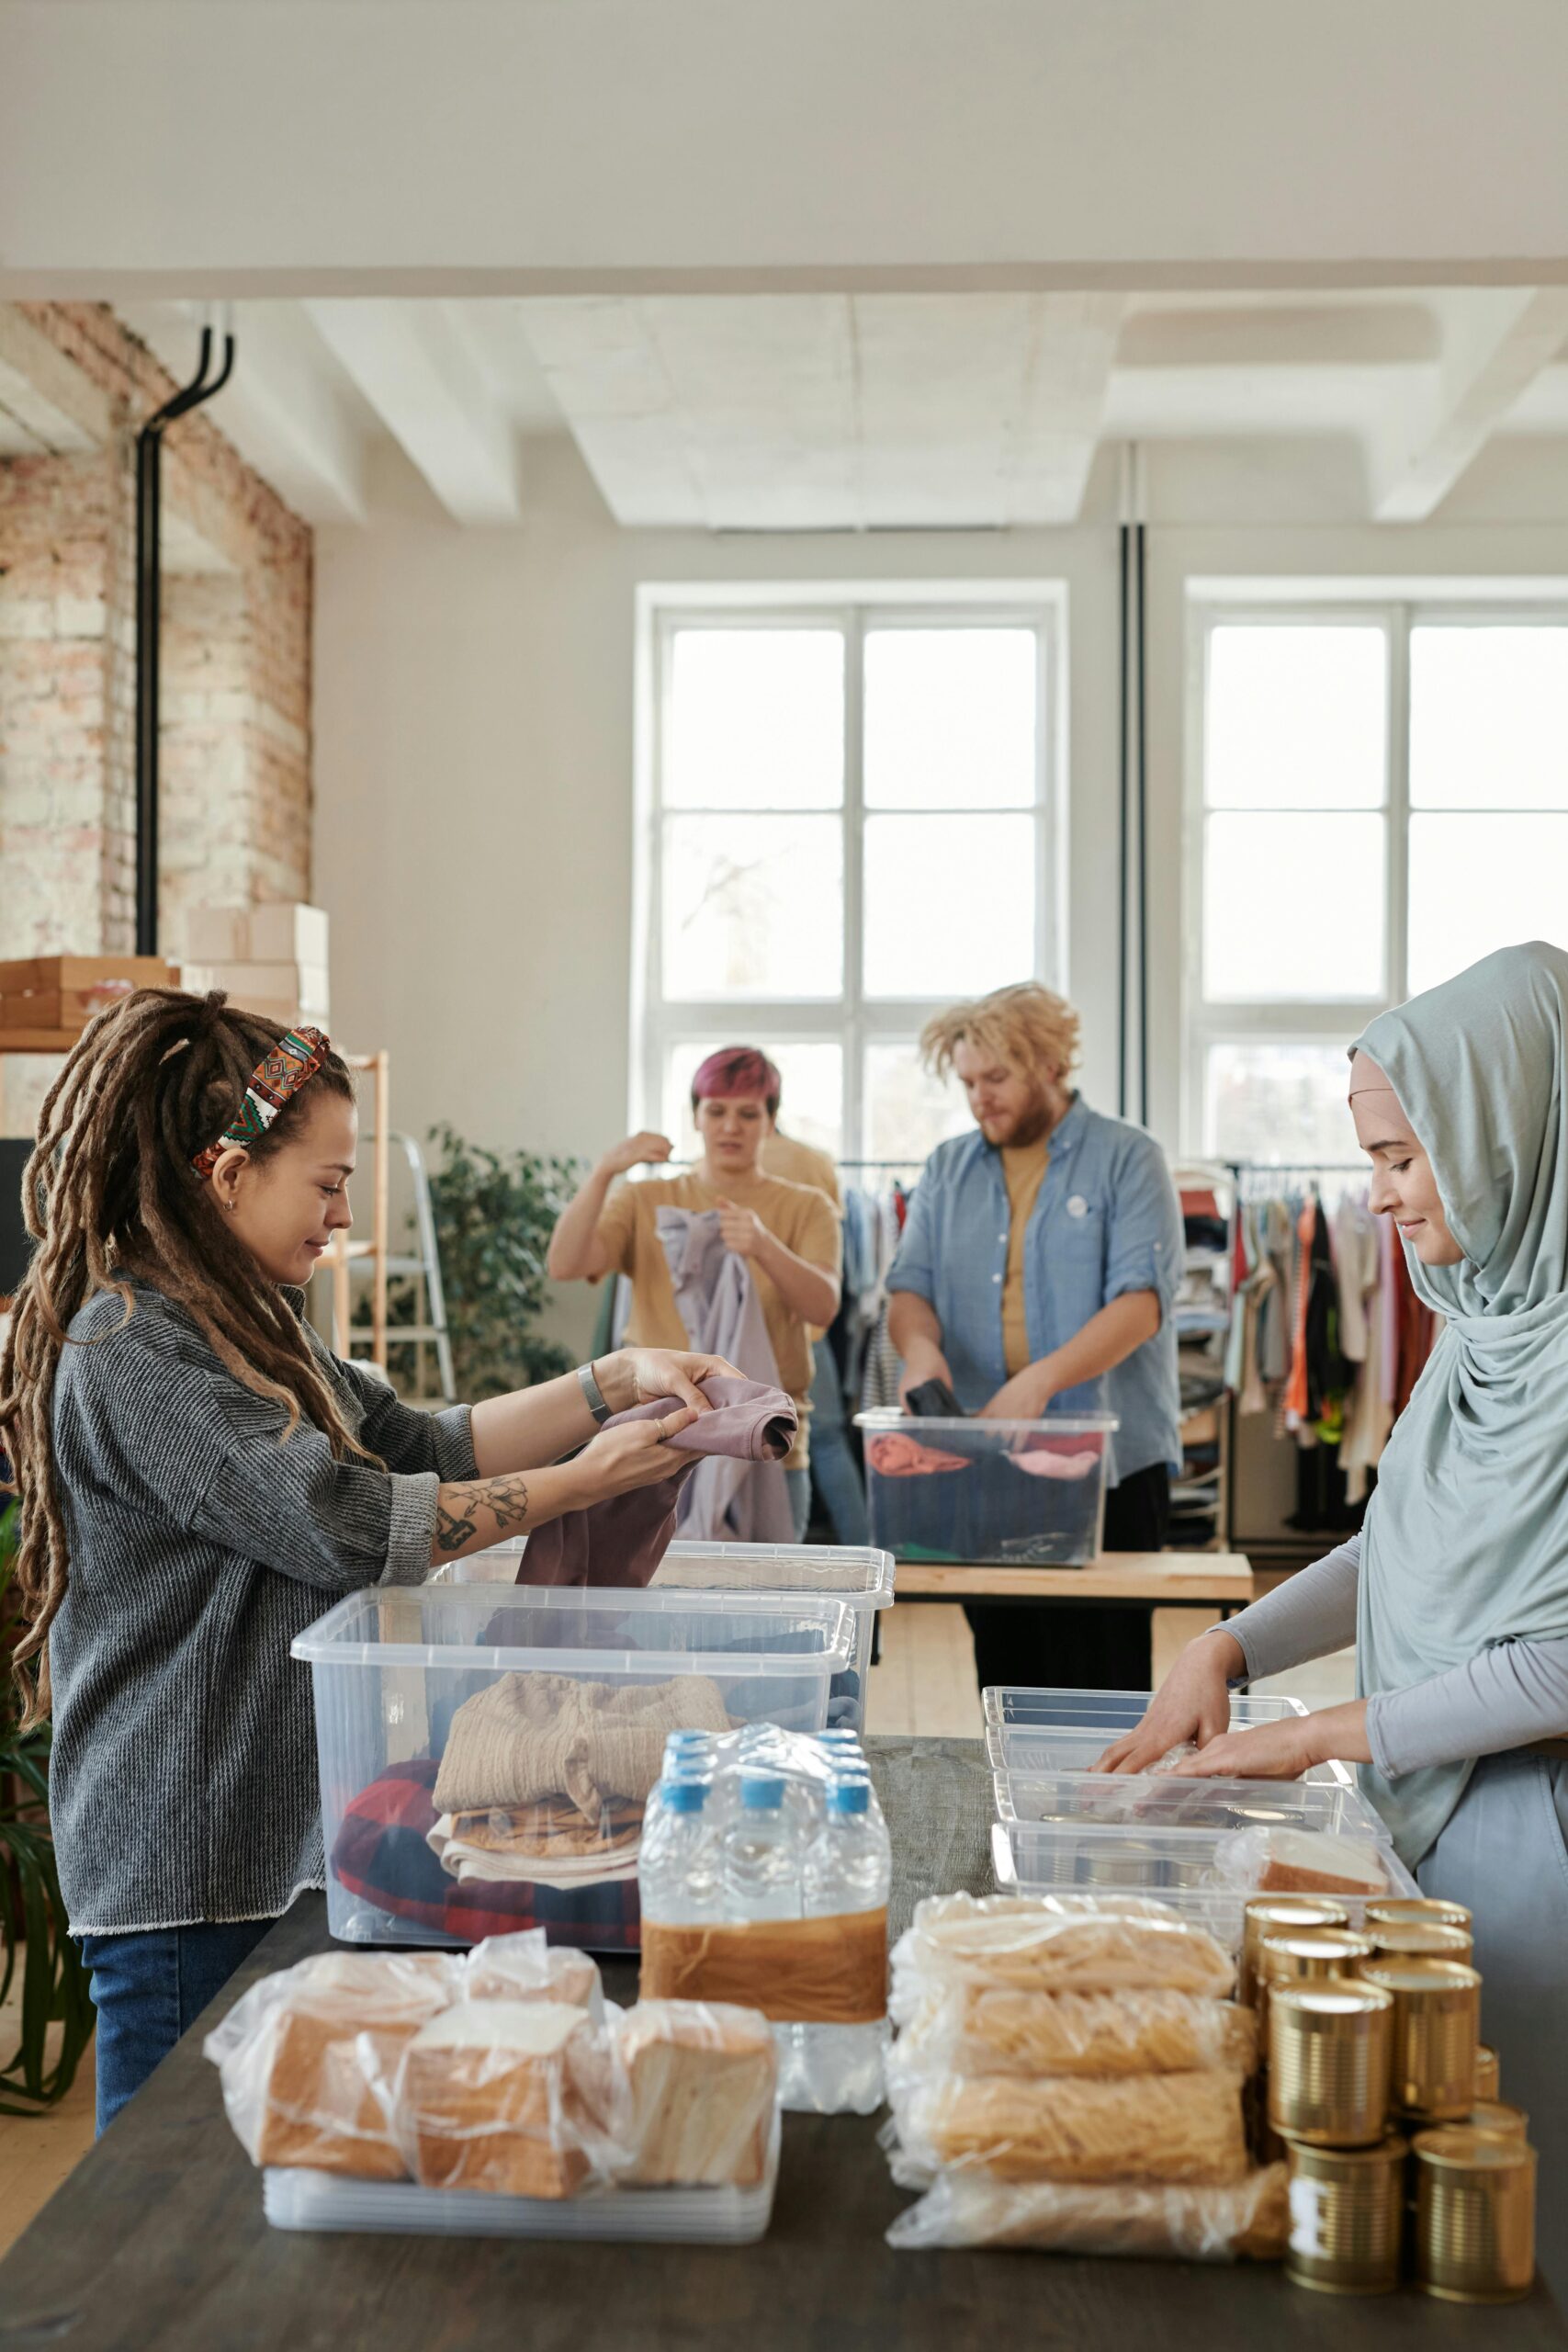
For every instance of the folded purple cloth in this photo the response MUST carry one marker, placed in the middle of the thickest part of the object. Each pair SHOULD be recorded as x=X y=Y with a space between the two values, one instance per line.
x=623 y=1540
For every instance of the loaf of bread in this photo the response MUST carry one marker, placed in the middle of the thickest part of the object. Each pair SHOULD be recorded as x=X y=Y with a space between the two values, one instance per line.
x=1306 y=1861
x=527 y=1967
x=1132 y=2128
x=702 y=2077
x=301 y=2052
x=1245 y=2221
x=493 y=2095
x=990 y=2029
x=1042 y=1945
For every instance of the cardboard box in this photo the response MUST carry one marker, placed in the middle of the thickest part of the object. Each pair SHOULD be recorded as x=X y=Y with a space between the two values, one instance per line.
x=43 y=975
x=302 y=990
x=218 y=934
x=287 y=932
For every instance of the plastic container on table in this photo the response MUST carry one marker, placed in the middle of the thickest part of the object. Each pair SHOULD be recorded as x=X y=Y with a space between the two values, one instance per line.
x=1163 y=1801
x=1066 y=1731
x=1175 y=1866
x=297 y=2199
x=390 y=1666
x=856 y=1575
x=1020 y=1494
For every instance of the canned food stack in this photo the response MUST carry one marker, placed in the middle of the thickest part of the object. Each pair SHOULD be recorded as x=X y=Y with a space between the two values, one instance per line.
x=1069 y=2075
x=1372 y=2050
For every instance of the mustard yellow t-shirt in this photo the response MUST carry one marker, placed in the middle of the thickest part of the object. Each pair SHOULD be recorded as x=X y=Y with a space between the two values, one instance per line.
x=799 y=1215
x=1024 y=1171
x=801 y=1163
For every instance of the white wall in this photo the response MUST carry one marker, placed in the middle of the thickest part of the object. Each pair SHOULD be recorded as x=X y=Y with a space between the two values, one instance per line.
x=474 y=760
x=449 y=145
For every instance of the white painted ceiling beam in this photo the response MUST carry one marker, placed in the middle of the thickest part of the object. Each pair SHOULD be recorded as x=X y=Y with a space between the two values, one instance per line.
x=1074 y=347
x=1497 y=342
x=421 y=377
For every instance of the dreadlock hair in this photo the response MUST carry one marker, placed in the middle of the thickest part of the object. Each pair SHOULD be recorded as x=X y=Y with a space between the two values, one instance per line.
x=109 y=1195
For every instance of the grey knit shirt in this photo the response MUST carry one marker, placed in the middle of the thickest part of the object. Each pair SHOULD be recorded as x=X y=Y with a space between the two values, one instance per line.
x=183 y=1781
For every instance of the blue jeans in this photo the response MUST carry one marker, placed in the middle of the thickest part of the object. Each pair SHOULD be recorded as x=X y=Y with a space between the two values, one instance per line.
x=833 y=1465
x=149 y=1989
x=798 y=1484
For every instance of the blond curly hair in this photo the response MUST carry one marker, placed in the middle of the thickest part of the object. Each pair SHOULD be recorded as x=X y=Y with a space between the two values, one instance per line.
x=1025 y=1025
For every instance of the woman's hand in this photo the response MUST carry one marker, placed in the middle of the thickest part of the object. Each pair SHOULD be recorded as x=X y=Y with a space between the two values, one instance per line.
x=619 y=1460
x=1192 y=1703
x=1281 y=1751
x=647 y=1146
x=741 y=1230
x=637 y=1375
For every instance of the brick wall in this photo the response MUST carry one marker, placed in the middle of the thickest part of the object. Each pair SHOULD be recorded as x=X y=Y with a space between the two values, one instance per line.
x=235 y=749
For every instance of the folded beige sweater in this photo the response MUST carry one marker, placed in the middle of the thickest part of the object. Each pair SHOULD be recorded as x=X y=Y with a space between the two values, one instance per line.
x=532 y=1735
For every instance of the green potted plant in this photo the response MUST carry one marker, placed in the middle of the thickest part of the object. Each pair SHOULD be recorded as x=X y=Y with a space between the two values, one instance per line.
x=34 y=1942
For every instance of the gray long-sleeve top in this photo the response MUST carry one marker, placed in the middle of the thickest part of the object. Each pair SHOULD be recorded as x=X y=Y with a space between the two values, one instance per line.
x=182 y=1780
x=1508 y=1696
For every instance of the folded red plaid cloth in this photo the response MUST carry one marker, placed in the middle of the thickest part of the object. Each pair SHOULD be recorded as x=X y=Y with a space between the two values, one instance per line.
x=382 y=1855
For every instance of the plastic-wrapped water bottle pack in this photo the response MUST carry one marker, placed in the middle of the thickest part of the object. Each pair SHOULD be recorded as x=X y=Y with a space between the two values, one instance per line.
x=763 y=1877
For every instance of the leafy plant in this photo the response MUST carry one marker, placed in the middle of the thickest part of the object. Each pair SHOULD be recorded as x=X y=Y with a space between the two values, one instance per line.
x=494 y=1214
x=33 y=1935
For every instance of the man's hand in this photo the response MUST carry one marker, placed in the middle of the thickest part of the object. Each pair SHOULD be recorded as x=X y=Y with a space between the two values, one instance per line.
x=741 y=1230
x=923 y=1361
x=648 y=1145
x=1025 y=1396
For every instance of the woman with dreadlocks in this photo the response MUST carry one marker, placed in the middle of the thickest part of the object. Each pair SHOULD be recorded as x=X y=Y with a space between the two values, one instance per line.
x=200 y=1477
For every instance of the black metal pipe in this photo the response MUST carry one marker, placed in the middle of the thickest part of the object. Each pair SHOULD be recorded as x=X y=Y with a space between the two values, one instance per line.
x=1121 y=765
x=1141 y=772
x=149 y=598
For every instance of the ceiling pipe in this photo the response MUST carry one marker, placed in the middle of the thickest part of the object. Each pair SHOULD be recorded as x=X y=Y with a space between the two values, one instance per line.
x=149 y=598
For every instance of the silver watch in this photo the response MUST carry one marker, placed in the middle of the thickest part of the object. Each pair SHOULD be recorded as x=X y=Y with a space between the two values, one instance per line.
x=593 y=1395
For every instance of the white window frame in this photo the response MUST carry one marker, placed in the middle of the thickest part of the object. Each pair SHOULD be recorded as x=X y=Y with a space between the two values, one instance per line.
x=1397 y=607
x=852 y=1020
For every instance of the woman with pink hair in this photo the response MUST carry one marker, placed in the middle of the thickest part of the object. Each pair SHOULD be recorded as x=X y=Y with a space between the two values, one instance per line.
x=787 y=1233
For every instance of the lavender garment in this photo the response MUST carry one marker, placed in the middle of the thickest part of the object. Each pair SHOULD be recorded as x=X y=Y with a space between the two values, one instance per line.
x=622 y=1541
x=728 y=1500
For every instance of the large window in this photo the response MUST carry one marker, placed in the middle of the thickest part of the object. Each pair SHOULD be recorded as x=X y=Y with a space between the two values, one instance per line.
x=1380 y=796
x=849 y=821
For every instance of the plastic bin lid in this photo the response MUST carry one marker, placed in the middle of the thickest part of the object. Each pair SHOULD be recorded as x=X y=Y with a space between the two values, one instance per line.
x=1067 y=1710
x=854 y=1573
x=352 y=1634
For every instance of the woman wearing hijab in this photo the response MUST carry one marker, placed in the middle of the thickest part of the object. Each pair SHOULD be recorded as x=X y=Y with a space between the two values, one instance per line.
x=1456 y=1591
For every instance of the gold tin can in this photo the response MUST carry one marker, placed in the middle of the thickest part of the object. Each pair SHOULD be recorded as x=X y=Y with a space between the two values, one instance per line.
x=1474 y=2216
x=1498 y=2120
x=1281 y=1915
x=1310 y=1958
x=1421 y=1940
x=1399 y=1909
x=1437 y=2015
x=1329 y=2048
x=1488 y=2073
x=1346 y=2217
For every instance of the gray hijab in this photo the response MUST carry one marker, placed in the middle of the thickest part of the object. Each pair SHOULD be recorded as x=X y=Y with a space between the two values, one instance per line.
x=1466 y=1539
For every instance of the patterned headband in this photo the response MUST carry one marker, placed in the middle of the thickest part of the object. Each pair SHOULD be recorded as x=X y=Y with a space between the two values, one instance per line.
x=296 y=1058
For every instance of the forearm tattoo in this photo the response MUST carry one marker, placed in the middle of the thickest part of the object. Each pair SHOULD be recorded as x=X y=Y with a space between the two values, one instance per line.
x=458 y=1508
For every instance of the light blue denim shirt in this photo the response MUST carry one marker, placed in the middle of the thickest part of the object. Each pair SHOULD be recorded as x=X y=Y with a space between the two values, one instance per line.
x=1106 y=1221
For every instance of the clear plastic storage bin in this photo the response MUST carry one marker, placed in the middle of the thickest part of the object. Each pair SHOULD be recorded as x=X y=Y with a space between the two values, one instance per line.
x=296 y=2199
x=1162 y=1801
x=391 y=1665
x=1067 y=1731
x=862 y=1578
x=1177 y=1866
x=1023 y=1494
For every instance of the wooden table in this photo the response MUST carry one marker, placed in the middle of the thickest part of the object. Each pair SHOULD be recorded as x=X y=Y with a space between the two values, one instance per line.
x=156 y=2243
x=1131 y=1579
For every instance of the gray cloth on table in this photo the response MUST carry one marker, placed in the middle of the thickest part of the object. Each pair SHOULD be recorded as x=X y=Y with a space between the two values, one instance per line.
x=727 y=1499
x=1508 y=1696
x=183 y=1781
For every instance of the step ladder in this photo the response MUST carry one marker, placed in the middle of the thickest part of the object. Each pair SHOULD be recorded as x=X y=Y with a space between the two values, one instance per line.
x=424 y=1268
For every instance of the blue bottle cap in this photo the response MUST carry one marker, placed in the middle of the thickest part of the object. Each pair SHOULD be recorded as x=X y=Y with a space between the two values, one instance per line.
x=686 y=1795
x=849 y=1796
x=677 y=1739
x=762 y=1792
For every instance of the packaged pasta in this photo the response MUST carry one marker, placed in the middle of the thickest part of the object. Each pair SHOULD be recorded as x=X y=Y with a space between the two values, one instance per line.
x=1132 y=2128
x=1246 y=2220
x=995 y=2029
x=1049 y=1943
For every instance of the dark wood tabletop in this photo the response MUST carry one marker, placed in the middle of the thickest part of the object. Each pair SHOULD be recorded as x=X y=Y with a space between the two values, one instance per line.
x=157 y=2239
